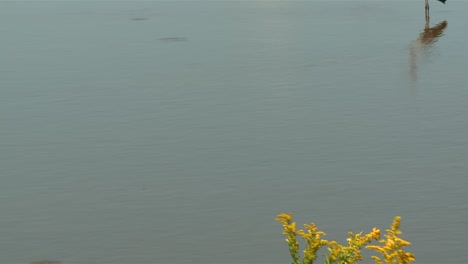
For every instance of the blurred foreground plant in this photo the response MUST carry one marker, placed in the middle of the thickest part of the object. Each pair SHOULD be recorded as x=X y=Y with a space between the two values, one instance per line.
x=391 y=248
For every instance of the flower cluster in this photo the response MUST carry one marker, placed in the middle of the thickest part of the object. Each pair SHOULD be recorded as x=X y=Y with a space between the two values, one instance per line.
x=291 y=233
x=391 y=249
x=392 y=246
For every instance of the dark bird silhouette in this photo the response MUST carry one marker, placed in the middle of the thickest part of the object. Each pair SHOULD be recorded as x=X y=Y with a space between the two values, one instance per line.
x=427 y=4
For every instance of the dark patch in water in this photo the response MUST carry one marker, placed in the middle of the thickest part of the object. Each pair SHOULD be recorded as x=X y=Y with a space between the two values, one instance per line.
x=46 y=261
x=139 y=18
x=173 y=39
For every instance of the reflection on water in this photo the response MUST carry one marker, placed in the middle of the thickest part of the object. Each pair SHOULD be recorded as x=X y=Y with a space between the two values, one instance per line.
x=422 y=47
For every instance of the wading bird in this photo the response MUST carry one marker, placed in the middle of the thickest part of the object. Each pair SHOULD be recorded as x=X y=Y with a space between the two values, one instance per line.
x=427 y=7
x=427 y=4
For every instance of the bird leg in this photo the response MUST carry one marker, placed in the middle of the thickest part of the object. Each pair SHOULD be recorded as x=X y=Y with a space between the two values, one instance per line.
x=427 y=18
x=427 y=8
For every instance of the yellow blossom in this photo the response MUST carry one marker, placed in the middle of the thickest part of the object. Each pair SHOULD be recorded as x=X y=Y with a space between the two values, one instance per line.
x=392 y=246
x=284 y=218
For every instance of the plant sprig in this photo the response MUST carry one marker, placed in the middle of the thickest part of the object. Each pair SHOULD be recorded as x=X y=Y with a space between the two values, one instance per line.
x=391 y=247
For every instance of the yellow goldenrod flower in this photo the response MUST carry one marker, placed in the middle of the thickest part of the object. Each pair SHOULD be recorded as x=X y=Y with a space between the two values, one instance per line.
x=284 y=218
x=375 y=234
x=377 y=260
x=312 y=237
x=392 y=246
x=396 y=223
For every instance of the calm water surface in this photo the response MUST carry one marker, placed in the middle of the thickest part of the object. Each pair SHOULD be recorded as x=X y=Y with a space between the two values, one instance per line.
x=174 y=131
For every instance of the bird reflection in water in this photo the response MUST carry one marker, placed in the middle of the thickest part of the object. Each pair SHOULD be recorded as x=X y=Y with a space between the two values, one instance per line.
x=422 y=47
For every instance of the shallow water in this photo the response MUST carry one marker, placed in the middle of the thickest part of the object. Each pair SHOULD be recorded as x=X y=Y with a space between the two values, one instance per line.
x=175 y=131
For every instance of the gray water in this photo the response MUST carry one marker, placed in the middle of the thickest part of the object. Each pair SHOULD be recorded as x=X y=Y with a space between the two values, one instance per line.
x=175 y=131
